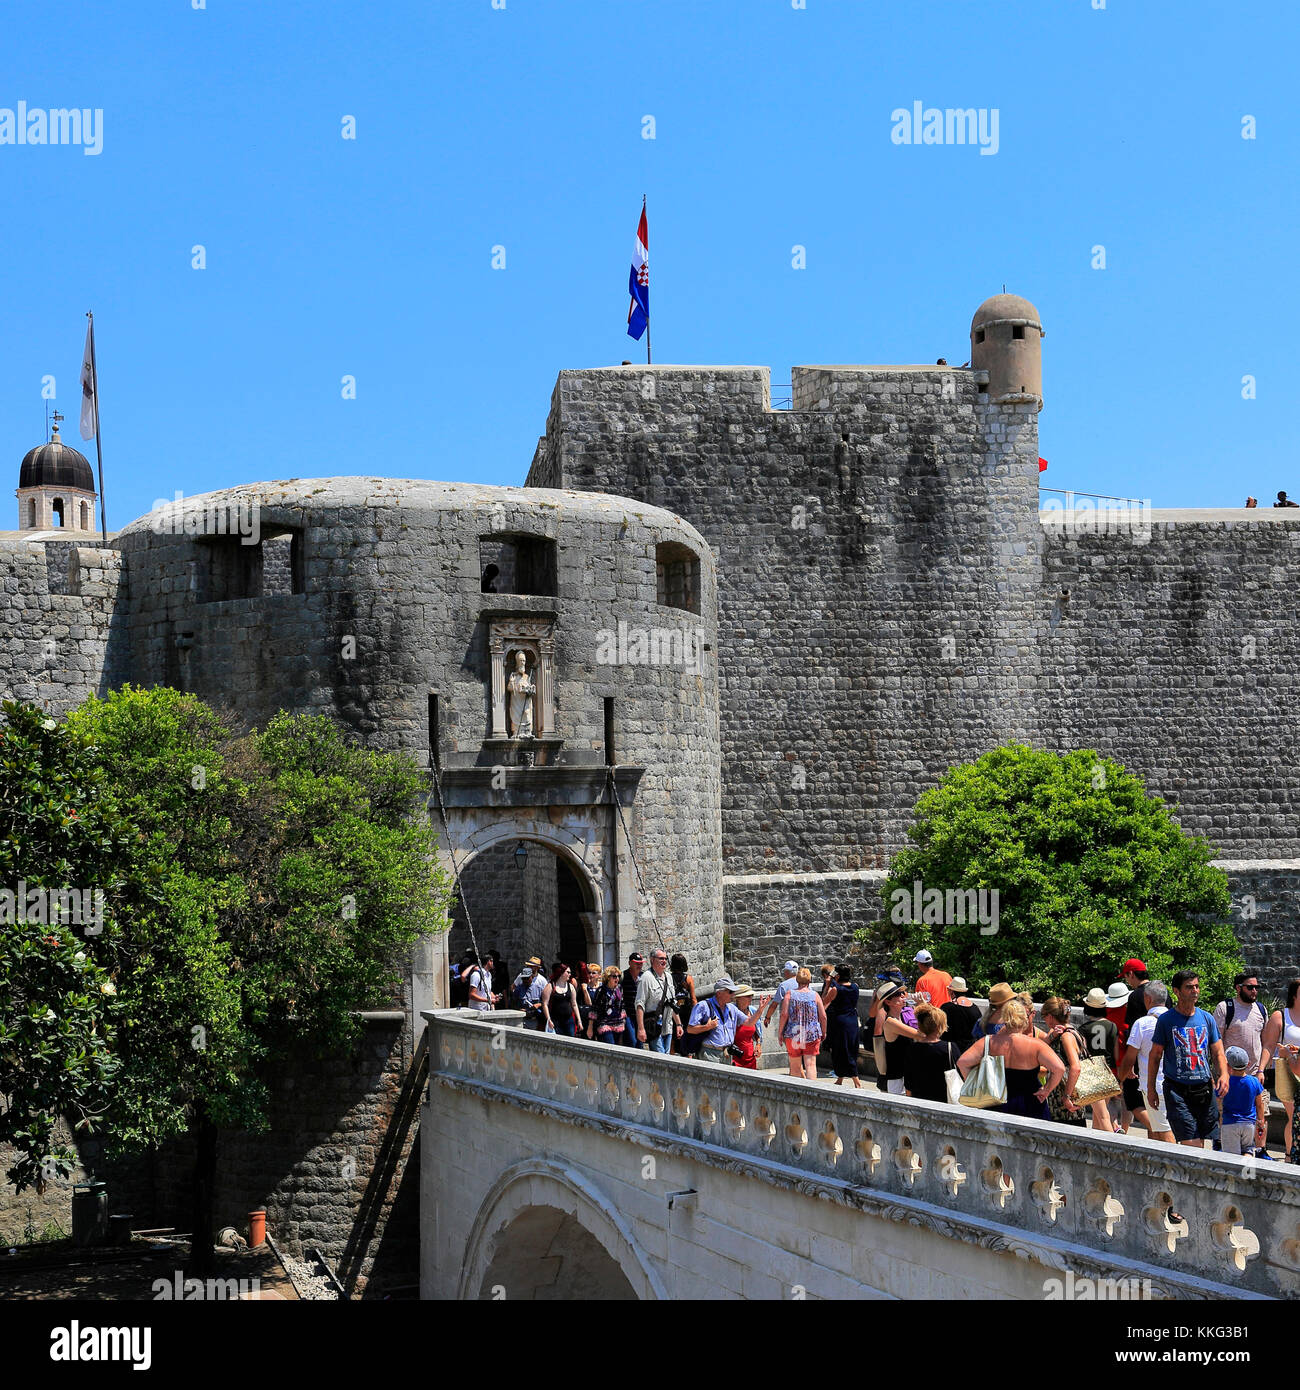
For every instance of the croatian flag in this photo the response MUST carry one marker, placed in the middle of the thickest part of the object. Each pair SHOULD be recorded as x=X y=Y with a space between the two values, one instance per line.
x=638 y=311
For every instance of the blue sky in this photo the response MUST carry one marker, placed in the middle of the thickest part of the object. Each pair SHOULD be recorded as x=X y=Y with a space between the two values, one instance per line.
x=522 y=127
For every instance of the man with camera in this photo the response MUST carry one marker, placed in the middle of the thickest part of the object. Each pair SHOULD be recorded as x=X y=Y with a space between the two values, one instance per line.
x=656 y=1022
x=717 y=1019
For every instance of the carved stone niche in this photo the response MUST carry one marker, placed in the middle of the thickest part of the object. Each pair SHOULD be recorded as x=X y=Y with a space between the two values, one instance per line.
x=535 y=637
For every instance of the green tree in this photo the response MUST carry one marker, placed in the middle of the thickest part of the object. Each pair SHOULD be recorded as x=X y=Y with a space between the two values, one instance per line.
x=1089 y=869
x=60 y=843
x=276 y=884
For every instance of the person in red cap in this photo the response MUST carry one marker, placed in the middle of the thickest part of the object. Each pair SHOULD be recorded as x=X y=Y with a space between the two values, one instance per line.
x=1134 y=974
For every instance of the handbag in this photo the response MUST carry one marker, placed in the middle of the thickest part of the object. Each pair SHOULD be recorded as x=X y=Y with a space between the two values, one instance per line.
x=987 y=1084
x=1096 y=1083
x=952 y=1079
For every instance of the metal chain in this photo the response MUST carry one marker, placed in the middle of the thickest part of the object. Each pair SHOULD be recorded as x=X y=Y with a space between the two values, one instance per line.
x=636 y=867
x=455 y=868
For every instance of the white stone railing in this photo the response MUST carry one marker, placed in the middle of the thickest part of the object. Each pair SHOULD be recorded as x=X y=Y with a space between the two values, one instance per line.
x=1087 y=1202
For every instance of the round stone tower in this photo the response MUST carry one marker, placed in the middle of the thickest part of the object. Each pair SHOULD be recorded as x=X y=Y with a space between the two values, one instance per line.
x=56 y=488
x=1006 y=340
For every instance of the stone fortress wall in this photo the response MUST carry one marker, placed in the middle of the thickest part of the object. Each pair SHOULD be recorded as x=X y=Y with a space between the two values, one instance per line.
x=891 y=602
x=388 y=611
x=1176 y=652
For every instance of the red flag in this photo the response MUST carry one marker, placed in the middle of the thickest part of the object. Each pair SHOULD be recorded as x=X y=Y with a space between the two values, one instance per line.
x=1042 y=465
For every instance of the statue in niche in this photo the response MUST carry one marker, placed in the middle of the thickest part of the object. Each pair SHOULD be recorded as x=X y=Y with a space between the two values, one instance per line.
x=521 y=689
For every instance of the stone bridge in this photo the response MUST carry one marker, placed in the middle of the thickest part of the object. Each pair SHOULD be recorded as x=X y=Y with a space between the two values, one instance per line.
x=559 y=1168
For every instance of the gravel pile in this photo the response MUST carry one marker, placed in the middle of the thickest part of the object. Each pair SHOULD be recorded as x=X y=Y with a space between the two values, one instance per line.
x=308 y=1281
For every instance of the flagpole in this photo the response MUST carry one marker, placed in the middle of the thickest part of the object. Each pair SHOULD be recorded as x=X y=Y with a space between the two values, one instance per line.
x=647 y=310
x=99 y=447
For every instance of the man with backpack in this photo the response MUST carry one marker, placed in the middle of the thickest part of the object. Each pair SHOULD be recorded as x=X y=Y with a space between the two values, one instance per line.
x=715 y=1020
x=1241 y=1021
x=480 y=986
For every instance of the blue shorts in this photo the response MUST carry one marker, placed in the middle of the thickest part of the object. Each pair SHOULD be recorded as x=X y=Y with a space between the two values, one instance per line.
x=1187 y=1119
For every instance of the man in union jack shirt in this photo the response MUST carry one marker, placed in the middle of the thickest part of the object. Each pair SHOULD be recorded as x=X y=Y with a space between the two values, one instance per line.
x=1186 y=1045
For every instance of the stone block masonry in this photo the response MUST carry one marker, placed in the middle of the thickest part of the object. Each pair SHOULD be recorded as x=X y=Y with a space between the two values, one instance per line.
x=337 y=1169
x=808 y=918
x=878 y=555
x=877 y=580
x=516 y=912
x=63 y=623
x=1176 y=653
x=813 y=918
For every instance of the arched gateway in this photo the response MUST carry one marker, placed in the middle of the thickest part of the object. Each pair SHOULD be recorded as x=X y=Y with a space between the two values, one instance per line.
x=585 y=815
x=581 y=836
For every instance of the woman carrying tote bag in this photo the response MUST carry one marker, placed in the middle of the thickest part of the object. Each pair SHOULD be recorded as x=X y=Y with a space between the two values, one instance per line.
x=1021 y=1056
x=1071 y=1049
x=930 y=1061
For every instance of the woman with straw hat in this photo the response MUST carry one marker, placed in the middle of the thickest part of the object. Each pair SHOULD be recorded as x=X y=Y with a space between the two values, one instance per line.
x=898 y=1035
x=749 y=1034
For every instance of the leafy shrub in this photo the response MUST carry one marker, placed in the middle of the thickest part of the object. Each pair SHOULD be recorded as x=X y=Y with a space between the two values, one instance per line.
x=1089 y=869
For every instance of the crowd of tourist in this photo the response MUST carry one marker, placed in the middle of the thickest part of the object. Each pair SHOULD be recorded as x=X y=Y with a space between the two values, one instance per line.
x=1141 y=1056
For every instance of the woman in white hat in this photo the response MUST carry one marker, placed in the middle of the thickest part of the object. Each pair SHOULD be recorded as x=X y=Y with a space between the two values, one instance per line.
x=962 y=1015
x=1101 y=1037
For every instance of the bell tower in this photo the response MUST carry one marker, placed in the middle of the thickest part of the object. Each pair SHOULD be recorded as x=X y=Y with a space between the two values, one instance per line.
x=56 y=489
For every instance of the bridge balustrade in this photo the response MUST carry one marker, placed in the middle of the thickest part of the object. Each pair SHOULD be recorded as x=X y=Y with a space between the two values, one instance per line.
x=1200 y=1223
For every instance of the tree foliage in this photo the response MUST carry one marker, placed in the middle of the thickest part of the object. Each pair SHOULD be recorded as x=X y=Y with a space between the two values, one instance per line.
x=1090 y=869
x=262 y=887
x=57 y=1005
x=282 y=878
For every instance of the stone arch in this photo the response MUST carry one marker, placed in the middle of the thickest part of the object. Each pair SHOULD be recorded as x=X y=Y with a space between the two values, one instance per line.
x=538 y=1183
x=583 y=855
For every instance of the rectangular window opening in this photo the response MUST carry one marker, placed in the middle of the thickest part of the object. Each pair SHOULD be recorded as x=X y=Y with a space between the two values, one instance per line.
x=229 y=569
x=517 y=565
x=677 y=577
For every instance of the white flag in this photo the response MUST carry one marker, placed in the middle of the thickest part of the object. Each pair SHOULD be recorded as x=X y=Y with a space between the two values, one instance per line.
x=89 y=386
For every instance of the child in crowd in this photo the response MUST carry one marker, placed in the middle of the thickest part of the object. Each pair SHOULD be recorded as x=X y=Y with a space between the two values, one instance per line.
x=1244 y=1126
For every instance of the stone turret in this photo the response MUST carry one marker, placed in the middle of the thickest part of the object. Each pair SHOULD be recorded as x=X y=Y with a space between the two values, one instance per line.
x=1006 y=340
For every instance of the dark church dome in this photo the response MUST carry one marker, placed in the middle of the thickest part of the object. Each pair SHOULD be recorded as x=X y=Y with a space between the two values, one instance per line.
x=56 y=464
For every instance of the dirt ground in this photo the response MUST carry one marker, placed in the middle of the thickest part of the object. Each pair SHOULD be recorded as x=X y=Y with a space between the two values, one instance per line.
x=60 y=1271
